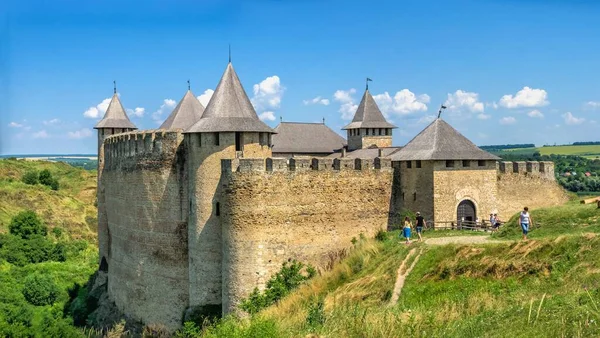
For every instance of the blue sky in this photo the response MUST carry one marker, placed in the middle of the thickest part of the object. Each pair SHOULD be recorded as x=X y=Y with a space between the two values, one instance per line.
x=509 y=71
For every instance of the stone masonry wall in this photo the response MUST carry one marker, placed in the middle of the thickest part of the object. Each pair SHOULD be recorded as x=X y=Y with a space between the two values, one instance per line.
x=308 y=210
x=415 y=191
x=453 y=185
x=379 y=141
x=205 y=247
x=527 y=184
x=146 y=206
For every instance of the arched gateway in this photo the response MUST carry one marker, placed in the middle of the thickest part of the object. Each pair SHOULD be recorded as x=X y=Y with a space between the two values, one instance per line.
x=466 y=212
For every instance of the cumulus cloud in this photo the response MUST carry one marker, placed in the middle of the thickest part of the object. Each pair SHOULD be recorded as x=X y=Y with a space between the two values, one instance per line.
x=51 y=122
x=97 y=111
x=204 y=98
x=40 y=134
x=508 y=120
x=15 y=125
x=346 y=100
x=268 y=93
x=463 y=101
x=592 y=104
x=79 y=134
x=317 y=100
x=165 y=109
x=526 y=97
x=535 y=113
x=268 y=116
x=572 y=120
x=137 y=112
x=484 y=116
x=404 y=102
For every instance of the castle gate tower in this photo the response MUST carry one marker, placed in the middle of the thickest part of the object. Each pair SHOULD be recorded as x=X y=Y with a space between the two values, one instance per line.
x=115 y=121
x=229 y=129
x=369 y=127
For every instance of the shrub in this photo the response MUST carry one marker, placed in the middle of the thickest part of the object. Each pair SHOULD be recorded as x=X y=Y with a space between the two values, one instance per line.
x=316 y=314
x=54 y=184
x=26 y=224
x=381 y=235
x=59 y=253
x=288 y=278
x=57 y=232
x=40 y=290
x=30 y=177
x=189 y=330
x=45 y=177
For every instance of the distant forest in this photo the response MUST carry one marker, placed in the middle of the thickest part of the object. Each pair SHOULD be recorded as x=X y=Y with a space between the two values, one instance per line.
x=507 y=146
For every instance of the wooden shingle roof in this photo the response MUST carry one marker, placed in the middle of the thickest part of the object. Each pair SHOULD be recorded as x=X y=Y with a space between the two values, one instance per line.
x=297 y=137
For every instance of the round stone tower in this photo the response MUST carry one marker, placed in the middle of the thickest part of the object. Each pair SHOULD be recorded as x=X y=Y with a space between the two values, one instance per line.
x=115 y=121
x=229 y=129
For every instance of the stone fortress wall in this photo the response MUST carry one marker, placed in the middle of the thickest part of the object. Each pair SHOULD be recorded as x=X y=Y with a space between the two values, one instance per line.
x=145 y=196
x=307 y=210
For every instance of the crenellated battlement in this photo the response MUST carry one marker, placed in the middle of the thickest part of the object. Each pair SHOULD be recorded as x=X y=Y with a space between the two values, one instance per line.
x=542 y=169
x=146 y=146
x=303 y=164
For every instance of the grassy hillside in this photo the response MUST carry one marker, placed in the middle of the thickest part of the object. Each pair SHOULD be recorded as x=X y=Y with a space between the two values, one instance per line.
x=545 y=287
x=71 y=207
x=589 y=151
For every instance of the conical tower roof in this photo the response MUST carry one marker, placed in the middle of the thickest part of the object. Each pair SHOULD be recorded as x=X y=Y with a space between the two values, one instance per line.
x=439 y=141
x=229 y=109
x=115 y=116
x=188 y=111
x=368 y=115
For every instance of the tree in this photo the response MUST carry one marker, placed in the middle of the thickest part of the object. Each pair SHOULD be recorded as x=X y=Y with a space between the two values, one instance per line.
x=40 y=289
x=30 y=177
x=45 y=177
x=26 y=224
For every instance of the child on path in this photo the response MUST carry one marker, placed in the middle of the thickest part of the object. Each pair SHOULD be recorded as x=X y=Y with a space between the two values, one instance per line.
x=420 y=225
x=526 y=221
x=406 y=229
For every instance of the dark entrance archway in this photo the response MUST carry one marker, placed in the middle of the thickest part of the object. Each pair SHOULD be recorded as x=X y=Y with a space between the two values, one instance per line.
x=466 y=212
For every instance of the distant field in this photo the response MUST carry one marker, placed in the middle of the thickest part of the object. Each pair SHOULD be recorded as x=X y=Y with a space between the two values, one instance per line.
x=589 y=151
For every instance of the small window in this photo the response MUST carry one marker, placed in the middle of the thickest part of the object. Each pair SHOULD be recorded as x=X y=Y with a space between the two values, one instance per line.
x=381 y=131
x=481 y=163
x=403 y=196
x=414 y=196
x=217 y=139
x=238 y=141
x=450 y=164
x=418 y=163
x=218 y=209
x=466 y=163
x=408 y=164
x=199 y=140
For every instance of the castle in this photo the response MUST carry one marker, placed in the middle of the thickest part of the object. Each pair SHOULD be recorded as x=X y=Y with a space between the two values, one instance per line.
x=196 y=214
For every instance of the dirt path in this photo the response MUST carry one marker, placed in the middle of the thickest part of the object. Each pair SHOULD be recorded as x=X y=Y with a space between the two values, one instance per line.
x=460 y=240
x=403 y=273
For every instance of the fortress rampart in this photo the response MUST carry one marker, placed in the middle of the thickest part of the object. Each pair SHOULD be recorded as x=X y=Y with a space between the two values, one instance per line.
x=145 y=192
x=307 y=210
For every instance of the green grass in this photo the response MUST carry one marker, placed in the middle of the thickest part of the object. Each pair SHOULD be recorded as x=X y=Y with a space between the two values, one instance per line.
x=71 y=207
x=589 y=151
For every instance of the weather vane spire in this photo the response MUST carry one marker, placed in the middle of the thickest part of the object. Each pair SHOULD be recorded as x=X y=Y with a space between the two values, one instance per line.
x=368 y=83
x=189 y=84
x=229 y=53
x=114 y=86
x=442 y=107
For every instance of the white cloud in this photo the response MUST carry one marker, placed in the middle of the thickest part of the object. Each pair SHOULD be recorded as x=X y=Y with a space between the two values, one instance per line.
x=426 y=119
x=268 y=115
x=97 y=111
x=404 y=102
x=165 y=109
x=317 y=100
x=484 y=116
x=461 y=101
x=526 y=97
x=137 y=112
x=592 y=104
x=268 y=93
x=492 y=105
x=15 y=125
x=204 y=98
x=41 y=134
x=535 y=113
x=79 y=134
x=508 y=120
x=348 y=107
x=572 y=120
x=51 y=122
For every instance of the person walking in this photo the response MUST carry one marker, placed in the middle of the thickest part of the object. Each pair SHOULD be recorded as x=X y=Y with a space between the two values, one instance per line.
x=406 y=229
x=492 y=221
x=420 y=225
x=526 y=222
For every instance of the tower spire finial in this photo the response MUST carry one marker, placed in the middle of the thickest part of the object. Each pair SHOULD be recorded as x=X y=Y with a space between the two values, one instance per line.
x=442 y=107
x=368 y=83
x=323 y=120
x=189 y=88
x=229 y=53
x=114 y=86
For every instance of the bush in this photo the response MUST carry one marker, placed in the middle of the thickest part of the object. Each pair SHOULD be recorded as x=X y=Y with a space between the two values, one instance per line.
x=27 y=224
x=40 y=290
x=381 y=235
x=30 y=177
x=54 y=184
x=288 y=278
x=45 y=177
x=316 y=314
x=57 y=232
